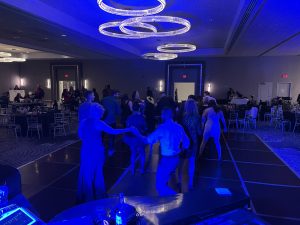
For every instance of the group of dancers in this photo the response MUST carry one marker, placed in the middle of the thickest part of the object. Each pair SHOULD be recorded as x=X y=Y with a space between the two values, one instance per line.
x=176 y=141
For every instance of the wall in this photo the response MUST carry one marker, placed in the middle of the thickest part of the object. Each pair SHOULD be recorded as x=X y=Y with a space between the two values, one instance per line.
x=245 y=73
x=242 y=74
x=9 y=76
x=124 y=75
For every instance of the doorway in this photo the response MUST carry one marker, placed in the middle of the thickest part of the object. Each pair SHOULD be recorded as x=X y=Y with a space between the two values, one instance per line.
x=284 y=90
x=184 y=90
x=65 y=76
x=265 y=91
x=188 y=79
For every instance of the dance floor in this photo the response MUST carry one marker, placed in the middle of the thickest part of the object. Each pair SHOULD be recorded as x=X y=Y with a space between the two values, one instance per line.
x=248 y=166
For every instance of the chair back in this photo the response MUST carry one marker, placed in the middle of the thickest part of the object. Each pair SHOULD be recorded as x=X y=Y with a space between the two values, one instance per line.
x=58 y=118
x=32 y=120
x=233 y=115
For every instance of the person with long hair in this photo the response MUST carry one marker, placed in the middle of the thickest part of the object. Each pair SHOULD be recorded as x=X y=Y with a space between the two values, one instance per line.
x=91 y=184
x=191 y=122
x=211 y=123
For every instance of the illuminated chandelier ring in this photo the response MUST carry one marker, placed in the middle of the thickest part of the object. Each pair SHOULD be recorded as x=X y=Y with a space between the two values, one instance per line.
x=103 y=27
x=176 y=48
x=160 y=56
x=151 y=19
x=124 y=12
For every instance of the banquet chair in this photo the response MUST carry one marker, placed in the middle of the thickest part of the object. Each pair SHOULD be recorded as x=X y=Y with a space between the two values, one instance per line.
x=34 y=125
x=233 y=119
x=252 y=117
x=243 y=122
x=59 y=124
x=11 y=125
x=297 y=120
x=3 y=116
x=281 y=122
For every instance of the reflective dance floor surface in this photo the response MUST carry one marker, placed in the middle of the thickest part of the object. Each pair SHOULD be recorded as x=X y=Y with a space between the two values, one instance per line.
x=248 y=166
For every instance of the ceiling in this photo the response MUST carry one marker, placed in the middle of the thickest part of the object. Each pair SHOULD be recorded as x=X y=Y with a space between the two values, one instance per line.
x=28 y=53
x=219 y=28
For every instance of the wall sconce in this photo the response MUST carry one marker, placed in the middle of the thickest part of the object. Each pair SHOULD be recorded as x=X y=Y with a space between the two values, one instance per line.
x=85 y=84
x=161 y=85
x=209 y=87
x=48 y=83
x=22 y=82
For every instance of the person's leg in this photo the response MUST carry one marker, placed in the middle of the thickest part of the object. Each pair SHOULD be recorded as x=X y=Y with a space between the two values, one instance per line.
x=203 y=143
x=218 y=147
x=191 y=171
x=142 y=158
x=132 y=157
x=166 y=167
x=100 y=191
x=179 y=173
x=85 y=190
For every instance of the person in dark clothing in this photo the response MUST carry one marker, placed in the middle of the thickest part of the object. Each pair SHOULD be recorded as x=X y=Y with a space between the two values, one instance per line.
x=149 y=92
x=136 y=145
x=39 y=93
x=126 y=108
x=97 y=99
x=298 y=99
x=165 y=102
x=106 y=91
x=18 y=98
x=150 y=113
x=112 y=111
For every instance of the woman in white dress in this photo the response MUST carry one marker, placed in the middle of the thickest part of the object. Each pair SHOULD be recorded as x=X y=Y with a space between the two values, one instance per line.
x=211 y=123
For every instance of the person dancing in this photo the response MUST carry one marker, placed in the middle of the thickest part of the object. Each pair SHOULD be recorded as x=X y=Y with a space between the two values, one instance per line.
x=211 y=123
x=91 y=184
x=191 y=122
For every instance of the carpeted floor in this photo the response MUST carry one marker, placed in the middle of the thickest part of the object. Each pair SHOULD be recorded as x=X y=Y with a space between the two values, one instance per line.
x=17 y=152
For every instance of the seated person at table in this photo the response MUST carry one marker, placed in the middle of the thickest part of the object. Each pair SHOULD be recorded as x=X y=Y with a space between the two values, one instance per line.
x=171 y=136
x=18 y=98
x=91 y=181
x=136 y=145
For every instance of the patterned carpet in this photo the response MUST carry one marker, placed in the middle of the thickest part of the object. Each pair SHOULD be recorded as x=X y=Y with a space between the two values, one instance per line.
x=20 y=151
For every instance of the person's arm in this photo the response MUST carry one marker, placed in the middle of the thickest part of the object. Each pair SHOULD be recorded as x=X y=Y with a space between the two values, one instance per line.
x=185 y=140
x=130 y=105
x=108 y=129
x=223 y=121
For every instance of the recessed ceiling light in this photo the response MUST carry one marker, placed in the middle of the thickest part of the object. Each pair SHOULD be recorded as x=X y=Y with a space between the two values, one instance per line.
x=63 y=35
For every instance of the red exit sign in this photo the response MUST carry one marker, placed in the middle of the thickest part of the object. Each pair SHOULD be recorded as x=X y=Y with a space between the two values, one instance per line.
x=284 y=75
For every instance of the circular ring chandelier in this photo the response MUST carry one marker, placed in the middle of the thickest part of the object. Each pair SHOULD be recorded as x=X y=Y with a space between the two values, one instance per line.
x=151 y=19
x=5 y=54
x=124 y=12
x=160 y=56
x=176 y=48
x=103 y=27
